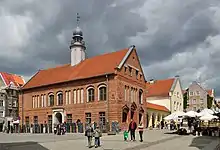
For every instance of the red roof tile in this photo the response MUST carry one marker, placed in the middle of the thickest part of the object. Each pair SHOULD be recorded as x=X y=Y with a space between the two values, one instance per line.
x=15 y=79
x=209 y=92
x=156 y=107
x=159 y=88
x=95 y=66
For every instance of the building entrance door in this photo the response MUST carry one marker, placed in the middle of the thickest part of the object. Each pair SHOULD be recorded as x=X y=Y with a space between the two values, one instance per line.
x=59 y=117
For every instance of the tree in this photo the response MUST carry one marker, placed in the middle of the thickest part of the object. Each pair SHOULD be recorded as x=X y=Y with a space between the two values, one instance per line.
x=185 y=98
x=209 y=101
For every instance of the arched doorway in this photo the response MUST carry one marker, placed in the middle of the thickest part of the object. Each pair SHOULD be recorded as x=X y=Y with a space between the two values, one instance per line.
x=58 y=117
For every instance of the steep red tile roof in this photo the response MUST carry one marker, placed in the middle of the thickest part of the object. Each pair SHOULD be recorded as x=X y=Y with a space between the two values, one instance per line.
x=156 y=107
x=184 y=91
x=209 y=92
x=95 y=66
x=15 y=79
x=159 y=87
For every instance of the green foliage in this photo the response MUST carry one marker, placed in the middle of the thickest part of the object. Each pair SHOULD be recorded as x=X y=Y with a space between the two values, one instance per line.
x=209 y=101
x=185 y=98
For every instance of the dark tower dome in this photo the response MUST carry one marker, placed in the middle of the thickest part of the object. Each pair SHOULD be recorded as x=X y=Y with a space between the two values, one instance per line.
x=77 y=32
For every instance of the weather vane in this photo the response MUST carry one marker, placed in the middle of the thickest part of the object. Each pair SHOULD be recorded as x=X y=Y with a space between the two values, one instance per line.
x=77 y=19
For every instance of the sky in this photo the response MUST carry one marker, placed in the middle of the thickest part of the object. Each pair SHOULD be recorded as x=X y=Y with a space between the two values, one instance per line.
x=172 y=37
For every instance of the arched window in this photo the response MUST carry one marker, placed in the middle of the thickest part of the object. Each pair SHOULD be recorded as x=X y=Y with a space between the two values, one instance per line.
x=60 y=98
x=140 y=97
x=90 y=94
x=51 y=100
x=102 y=93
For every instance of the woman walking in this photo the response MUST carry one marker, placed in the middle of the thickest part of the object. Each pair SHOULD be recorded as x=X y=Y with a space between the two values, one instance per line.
x=141 y=130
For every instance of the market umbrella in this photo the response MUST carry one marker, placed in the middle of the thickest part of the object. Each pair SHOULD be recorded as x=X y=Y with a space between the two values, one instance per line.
x=206 y=110
x=208 y=117
x=174 y=115
x=192 y=114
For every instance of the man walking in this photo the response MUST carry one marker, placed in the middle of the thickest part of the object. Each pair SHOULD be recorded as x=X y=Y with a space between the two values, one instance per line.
x=132 y=128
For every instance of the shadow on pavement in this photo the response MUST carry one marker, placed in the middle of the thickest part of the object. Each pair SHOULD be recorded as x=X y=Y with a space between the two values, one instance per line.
x=201 y=141
x=174 y=132
x=21 y=146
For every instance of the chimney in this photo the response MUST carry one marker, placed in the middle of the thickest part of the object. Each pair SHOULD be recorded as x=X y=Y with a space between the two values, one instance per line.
x=151 y=81
x=177 y=76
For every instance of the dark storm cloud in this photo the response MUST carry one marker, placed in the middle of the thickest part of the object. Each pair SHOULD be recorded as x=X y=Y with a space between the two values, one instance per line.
x=98 y=18
x=160 y=30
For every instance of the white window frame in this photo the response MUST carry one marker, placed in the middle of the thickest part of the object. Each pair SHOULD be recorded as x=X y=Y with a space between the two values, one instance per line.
x=103 y=85
x=78 y=96
x=81 y=95
x=42 y=100
x=87 y=93
x=33 y=102
x=74 y=96
x=60 y=92
x=45 y=101
x=38 y=101
x=49 y=99
x=69 y=97
x=66 y=97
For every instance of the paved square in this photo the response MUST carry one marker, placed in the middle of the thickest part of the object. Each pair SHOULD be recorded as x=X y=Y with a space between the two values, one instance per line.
x=153 y=140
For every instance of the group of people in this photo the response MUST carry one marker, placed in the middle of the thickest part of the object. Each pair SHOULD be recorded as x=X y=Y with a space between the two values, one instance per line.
x=90 y=133
x=132 y=128
x=60 y=129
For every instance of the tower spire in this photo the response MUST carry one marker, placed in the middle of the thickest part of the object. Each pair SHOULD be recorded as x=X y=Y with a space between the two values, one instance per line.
x=77 y=19
x=77 y=46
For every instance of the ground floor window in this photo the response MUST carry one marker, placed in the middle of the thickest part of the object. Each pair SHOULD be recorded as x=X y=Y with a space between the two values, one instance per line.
x=35 y=119
x=1 y=113
x=102 y=118
x=124 y=114
x=69 y=118
x=88 y=118
x=132 y=114
x=27 y=121
x=49 y=119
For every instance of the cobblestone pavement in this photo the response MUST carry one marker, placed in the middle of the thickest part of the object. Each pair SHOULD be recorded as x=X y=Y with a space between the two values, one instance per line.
x=153 y=140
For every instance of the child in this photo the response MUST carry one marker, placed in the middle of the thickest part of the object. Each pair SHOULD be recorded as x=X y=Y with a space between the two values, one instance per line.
x=125 y=134
x=97 y=134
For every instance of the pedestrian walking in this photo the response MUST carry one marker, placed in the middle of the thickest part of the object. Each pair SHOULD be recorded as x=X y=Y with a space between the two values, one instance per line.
x=89 y=133
x=132 y=128
x=141 y=130
x=97 y=135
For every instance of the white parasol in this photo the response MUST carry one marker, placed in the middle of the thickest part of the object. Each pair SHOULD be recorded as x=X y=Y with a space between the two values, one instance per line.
x=174 y=115
x=192 y=114
x=208 y=117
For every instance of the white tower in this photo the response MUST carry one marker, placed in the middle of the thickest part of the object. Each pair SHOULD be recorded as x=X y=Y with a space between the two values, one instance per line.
x=77 y=47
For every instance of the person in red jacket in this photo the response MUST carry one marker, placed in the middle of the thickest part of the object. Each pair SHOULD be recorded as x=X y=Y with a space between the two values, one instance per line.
x=132 y=128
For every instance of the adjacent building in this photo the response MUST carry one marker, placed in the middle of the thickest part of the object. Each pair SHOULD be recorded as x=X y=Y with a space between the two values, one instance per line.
x=104 y=88
x=155 y=114
x=197 y=97
x=9 y=89
x=167 y=92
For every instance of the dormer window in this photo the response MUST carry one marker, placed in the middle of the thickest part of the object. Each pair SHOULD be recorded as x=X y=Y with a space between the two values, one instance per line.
x=125 y=69
x=140 y=77
x=136 y=74
x=130 y=71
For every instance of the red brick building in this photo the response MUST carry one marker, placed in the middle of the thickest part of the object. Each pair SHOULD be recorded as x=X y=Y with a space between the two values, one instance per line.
x=104 y=88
